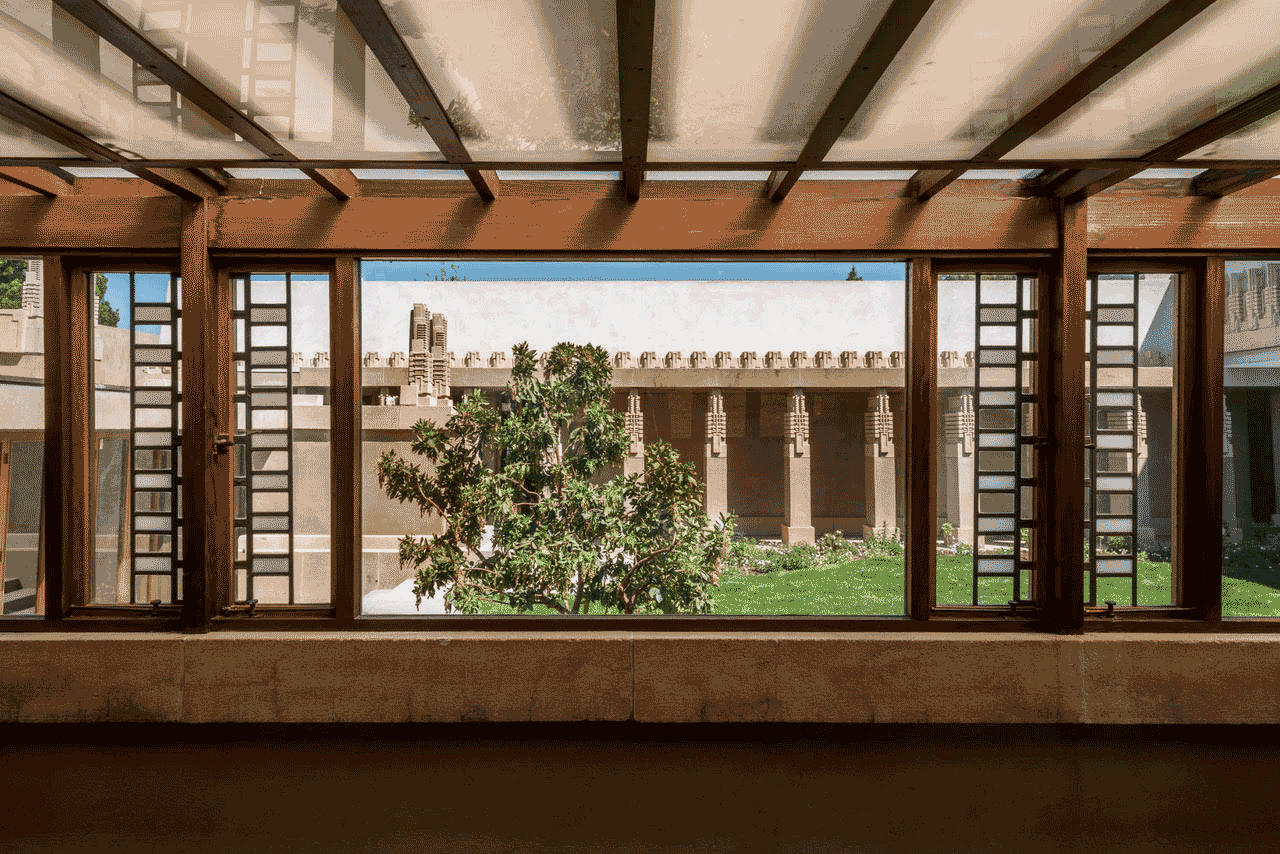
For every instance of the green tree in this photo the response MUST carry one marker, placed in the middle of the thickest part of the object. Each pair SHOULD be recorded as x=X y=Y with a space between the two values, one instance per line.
x=14 y=271
x=107 y=316
x=564 y=536
x=853 y=275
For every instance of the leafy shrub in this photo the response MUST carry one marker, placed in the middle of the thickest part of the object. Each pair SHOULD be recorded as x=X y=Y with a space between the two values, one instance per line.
x=889 y=545
x=1260 y=554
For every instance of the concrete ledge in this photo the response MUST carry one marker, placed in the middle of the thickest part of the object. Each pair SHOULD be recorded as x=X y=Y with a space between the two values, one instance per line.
x=880 y=677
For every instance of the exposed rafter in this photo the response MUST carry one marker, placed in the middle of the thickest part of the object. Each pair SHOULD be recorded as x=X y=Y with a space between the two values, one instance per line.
x=899 y=21
x=339 y=183
x=220 y=178
x=635 y=80
x=1156 y=28
x=59 y=172
x=371 y=21
x=24 y=114
x=38 y=180
x=181 y=182
x=108 y=25
x=104 y=21
x=1217 y=183
x=1087 y=182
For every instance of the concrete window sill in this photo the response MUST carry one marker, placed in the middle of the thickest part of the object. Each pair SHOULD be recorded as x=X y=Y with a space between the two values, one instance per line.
x=648 y=677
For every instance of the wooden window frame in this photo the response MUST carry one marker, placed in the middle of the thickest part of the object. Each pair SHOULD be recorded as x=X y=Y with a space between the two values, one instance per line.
x=1198 y=414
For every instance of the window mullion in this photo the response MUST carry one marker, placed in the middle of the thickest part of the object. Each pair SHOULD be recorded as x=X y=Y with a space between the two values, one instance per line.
x=345 y=438
x=1062 y=342
x=922 y=443
x=1198 y=431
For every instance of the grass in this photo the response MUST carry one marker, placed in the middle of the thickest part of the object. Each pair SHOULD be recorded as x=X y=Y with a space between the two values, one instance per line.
x=873 y=585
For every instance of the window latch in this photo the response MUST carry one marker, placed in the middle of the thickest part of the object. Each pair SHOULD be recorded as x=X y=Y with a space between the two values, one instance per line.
x=222 y=443
x=1111 y=608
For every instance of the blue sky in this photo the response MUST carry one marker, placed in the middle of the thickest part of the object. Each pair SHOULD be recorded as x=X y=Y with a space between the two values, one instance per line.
x=151 y=287
x=658 y=271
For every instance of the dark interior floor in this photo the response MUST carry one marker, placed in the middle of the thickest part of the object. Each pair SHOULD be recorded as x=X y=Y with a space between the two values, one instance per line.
x=637 y=788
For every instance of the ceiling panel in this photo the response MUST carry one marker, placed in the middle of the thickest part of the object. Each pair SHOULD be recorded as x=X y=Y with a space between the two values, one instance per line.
x=749 y=81
x=1225 y=55
x=973 y=67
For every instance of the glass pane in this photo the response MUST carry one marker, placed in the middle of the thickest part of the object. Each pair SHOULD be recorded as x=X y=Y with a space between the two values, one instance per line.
x=137 y=373
x=282 y=493
x=1226 y=55
x=521 y=79
x=1131 y=436
x=1251 y=441
x=62 y=69
x=985 y=496
x=963 y=76
x=823 y=464
x=21 y=434
x=715 y=103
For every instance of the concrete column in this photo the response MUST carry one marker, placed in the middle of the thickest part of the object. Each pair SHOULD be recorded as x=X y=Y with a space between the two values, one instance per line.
x=1275 y=448
x=1229 y=516
x=957 y=464
x=634 y=463
x=797 y=514
x=1146 y=531
x=879 y=467
x=716 y=449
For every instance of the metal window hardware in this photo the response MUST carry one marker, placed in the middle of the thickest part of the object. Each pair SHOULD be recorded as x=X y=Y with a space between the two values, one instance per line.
x=1111 y=608
x=222 y=443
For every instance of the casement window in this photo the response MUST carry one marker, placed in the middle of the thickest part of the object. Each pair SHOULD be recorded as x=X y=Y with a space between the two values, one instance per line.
x=1081 y=394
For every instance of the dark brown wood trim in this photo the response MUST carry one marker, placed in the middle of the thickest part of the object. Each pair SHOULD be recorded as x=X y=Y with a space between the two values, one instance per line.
x=38 y=181
x=1062 y=324
x=897 y=25
x=1198 y=438
x=200 y=464
x=345 y=447
x=635 y=80
x=76 y=451
x=921 y=488
x=1216 y=183
x=371 y=21
x=54 y=523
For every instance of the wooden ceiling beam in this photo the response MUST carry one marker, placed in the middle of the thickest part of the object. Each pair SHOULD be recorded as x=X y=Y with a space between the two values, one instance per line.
x=897 y=25
x=1087 y=182
x=1158 y=26
x=371 y=21
x=1216 y=183
x=635 y=83
x=37 y=180
x=339 y=183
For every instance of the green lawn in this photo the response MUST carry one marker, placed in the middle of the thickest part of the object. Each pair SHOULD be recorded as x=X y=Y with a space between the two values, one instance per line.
x=874 y=586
